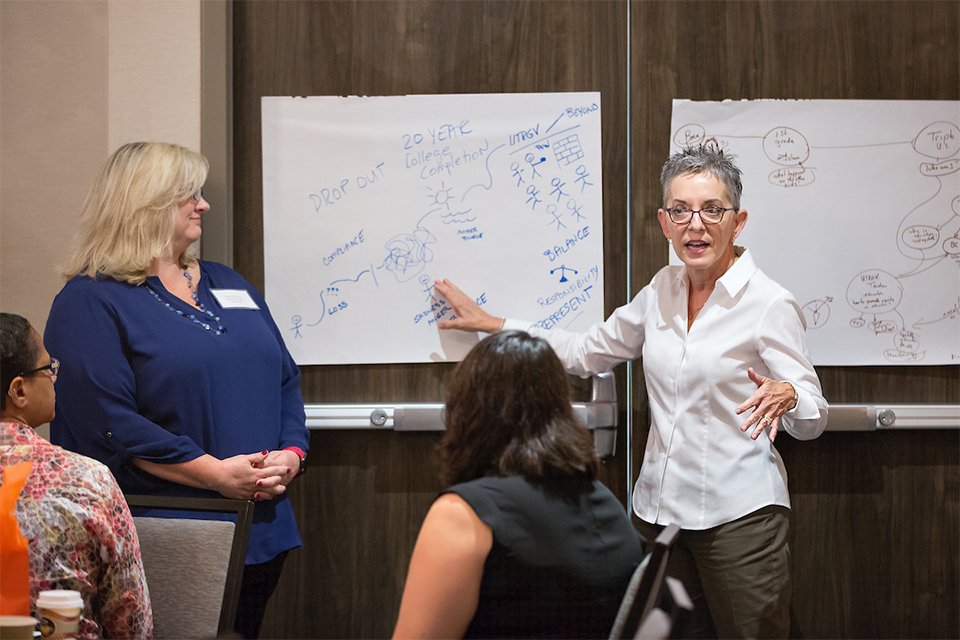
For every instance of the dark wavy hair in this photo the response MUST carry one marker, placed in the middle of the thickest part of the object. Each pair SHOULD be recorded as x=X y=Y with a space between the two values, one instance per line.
x=18 y=350
x=509 y=412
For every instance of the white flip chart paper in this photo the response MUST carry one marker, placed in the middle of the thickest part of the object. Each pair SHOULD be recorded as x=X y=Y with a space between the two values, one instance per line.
x=368 y=200
x=854 y=206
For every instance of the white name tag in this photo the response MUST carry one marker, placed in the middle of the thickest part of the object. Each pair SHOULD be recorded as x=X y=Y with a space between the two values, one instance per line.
x=234 y=298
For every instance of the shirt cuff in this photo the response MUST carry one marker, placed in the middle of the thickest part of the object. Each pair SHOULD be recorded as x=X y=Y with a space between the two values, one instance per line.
x=806 y=408
x=517 y=325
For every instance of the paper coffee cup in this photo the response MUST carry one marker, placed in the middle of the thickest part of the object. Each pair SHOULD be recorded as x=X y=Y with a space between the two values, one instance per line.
x=17 y=627
x=59 y=613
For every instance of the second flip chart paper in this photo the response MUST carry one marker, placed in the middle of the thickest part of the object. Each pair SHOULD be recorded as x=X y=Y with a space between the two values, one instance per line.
x=367 y=201
x=855 y=208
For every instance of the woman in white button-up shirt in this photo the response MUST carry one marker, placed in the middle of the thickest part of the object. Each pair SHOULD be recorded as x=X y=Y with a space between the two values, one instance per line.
x=725 y=361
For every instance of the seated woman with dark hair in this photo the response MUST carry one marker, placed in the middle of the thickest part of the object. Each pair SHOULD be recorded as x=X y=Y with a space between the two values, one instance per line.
x=525 y=541
x=71 y=511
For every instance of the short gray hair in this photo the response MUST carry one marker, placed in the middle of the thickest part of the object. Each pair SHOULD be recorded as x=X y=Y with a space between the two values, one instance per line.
x=709 y=158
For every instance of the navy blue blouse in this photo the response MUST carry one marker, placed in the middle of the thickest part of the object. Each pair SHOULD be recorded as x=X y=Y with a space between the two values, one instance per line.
x=140 y=380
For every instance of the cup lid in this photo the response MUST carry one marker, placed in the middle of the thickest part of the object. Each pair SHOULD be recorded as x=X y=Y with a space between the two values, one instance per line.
x=62 y=599
x=17 y=621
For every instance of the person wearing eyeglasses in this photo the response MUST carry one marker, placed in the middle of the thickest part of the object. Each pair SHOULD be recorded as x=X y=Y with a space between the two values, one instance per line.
x=727 y=367
x=175 y=374
x=79 y=531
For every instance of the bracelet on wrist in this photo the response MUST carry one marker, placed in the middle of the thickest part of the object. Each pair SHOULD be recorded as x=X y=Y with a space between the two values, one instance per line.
x=303 y=458
x=796 y=396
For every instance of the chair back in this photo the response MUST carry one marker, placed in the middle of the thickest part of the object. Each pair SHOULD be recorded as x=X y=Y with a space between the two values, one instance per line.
x=644 y=587
x=669 y=617
x=193 y=565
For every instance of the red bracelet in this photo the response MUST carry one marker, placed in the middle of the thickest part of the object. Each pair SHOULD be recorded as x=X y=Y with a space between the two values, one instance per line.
x=300 y=454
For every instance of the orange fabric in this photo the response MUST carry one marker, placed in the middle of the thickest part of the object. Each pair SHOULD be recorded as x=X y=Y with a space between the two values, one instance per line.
x=14 y=554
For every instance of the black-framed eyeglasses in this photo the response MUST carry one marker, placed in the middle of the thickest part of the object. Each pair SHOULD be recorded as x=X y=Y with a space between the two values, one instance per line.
x=198 y=194
x=709 y=215
x=54 y=367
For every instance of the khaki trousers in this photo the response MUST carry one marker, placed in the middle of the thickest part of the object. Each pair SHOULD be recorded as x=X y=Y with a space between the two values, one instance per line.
x=737 y=574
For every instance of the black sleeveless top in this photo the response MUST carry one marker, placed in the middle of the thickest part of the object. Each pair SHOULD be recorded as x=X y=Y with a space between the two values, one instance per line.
x=563 y=553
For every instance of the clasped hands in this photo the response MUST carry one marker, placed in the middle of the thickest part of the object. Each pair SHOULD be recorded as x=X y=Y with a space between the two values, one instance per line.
x=769 y=402
x=258 y=476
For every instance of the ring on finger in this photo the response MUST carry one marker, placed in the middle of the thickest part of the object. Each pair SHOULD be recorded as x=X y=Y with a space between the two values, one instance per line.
x=767 y=421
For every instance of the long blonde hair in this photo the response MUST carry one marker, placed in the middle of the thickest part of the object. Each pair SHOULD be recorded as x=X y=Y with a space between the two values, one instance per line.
x=128 y=216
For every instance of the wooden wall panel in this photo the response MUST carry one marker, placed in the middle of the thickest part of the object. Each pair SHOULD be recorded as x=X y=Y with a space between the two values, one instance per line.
x=875 y=522
x=361 y=504
x=875 y=534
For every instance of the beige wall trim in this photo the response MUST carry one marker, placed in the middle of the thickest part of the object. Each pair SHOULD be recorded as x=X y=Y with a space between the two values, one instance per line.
x=216 y=127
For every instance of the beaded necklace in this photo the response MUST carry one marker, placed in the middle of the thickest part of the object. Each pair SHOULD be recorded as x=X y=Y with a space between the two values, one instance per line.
x=219 y=329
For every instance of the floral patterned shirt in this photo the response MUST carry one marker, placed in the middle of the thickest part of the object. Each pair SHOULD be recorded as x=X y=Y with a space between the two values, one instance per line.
x=81 y=535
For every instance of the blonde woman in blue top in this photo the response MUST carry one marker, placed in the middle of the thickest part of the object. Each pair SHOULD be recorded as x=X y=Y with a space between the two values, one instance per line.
x=175 y=375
